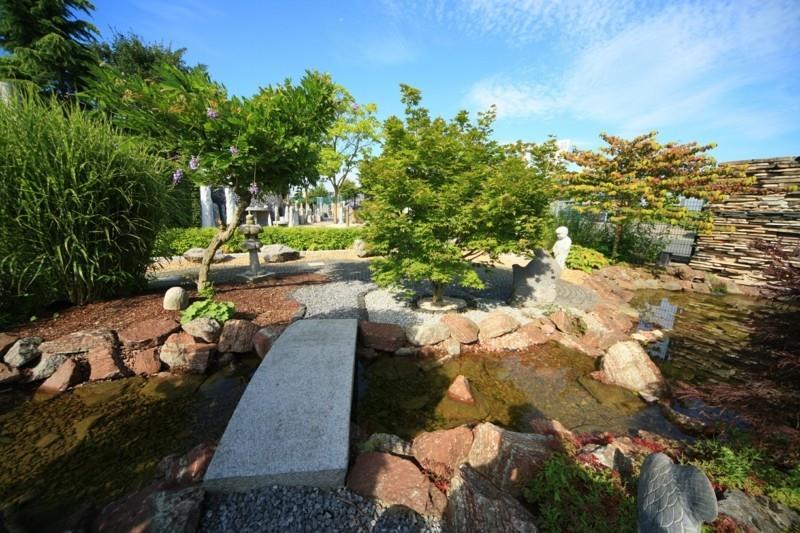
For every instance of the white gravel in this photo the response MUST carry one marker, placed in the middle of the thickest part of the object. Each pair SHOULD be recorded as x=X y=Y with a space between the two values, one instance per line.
x=306 y=509
x=338 y=299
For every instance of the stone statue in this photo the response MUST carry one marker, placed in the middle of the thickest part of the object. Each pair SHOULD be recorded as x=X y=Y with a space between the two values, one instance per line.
x=673 y=498
x=562 y=245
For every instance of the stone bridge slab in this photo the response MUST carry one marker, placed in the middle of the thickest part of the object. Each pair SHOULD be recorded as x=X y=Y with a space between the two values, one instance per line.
x=292 y=424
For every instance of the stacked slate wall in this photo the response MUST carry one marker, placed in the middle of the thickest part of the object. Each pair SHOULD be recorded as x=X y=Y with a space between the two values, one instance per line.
x=770 y=211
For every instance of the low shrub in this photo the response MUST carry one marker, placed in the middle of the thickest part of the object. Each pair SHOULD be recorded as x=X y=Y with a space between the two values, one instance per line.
x=81 y=206
x=175 y=241
x=219 y=311
x=571 y=497
x=585 y=259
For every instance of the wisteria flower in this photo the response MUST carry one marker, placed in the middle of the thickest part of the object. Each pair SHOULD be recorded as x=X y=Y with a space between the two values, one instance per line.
x=253 y=188
x=212 y=113
x=234 y=150
x=177 y=176
x=194 y=162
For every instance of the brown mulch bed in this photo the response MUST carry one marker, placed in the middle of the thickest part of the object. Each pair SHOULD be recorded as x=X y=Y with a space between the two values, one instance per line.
x=264 y=303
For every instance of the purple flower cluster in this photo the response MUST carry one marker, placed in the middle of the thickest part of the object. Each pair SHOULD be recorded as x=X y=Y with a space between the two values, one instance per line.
x=253 y=188
x=212 y=113
x=177 y=176
x=194 y=162
x=234 y=150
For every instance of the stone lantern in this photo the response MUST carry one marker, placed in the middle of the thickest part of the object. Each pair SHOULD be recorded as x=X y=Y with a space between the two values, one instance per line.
x=250 y=230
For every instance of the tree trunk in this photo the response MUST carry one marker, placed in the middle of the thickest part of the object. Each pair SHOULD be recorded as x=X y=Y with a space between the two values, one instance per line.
x=220 y=238
x=335 y=209
x=617 y=238
x=438 y=292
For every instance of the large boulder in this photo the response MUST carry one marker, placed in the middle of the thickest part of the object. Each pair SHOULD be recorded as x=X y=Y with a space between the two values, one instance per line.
x=534 y=285
x=6 y=342
x=381 y=336
x=237 y=336
x=67 y=375
x=46 y=367
x=362 y=249
x=507 y=458
x=151 y=510
x=497 y=324
x=759 y=513
x=79 y=343
x=182 y=353
x=627 y=365
x=265 y=338
x=395 y=481
x=146 y=362
x=673 y=497
x=195 y=255
x=23 y=351
x=442 y=452
x=176 y=299
x=462 y=329
x=278 y=253
x=203 y=328
x=427 y=334
x=475 y=505
x=104 y=364
x=147 y=333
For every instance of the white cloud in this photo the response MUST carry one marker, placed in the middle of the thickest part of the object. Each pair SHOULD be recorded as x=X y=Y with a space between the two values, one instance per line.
x=686 y=62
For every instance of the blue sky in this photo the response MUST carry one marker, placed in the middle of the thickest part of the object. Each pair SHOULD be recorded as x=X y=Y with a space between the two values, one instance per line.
x=712 y=71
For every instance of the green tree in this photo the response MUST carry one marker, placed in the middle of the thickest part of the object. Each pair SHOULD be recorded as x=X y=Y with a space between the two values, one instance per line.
x=130 y=55
x=442 y=193
x=47 y=44
x=319 y=191
x=349 y=140
x=267 y=142
x=642 y=180
x=349 y=190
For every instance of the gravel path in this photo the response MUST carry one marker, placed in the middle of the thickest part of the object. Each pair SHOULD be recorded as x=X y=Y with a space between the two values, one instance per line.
x=338 y=299
x=305 y=509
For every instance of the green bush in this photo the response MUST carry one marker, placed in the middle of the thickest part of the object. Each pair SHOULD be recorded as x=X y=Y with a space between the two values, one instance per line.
x=567 y=496
x=175 y=241
x=585 y=259
x=219 y=311
x=81 y=206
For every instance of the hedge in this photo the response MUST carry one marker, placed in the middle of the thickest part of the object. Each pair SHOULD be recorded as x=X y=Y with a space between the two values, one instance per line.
x=175 y=241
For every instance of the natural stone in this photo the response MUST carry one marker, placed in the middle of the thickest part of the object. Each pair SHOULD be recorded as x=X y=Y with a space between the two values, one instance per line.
x=8 y=374
x=23 y=352
x=406 y=351
x=67 y=375
x=147 y=333
x=103 y=364
x=535 y=332
x=181 y=470
x=237 y=336
x=6 y=342
x=673 y=498
x=544 y=426
x=447 y=304
x=299 y=314
x=534 y=285
x=46 y=367
x=204 y=329
x=176 y=299
x=265 y=338
x=507 y=458
x=151 y=510
x=394 y=481
x=195 y=255
x=759 y=513
x=146 y=362
x=461 y=391
x=429 y=333
x=387 y=443
x=565 y=322
x=496 y=324
x=442 y=452
x=80 y=342
x=381 y=336
x=361 y=248
x=452 y=347
x=608 y=455
x=475 y=505
x=278 y=253
x=461 y=328
x=627 y=365
x=182 y=353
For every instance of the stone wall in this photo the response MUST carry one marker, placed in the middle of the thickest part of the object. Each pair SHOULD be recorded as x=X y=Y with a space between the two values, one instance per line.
x=769 y=211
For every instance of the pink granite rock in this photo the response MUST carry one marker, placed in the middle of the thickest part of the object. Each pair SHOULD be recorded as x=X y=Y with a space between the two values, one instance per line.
x=461 y=328
x=442 y=452
x=461 y=391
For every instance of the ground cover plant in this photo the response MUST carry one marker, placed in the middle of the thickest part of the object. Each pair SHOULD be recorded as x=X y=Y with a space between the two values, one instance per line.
x=176 y=241
x=82 y=205
x=441 y=194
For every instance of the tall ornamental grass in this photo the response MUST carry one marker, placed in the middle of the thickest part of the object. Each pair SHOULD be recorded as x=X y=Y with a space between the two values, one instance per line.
x=80 y=206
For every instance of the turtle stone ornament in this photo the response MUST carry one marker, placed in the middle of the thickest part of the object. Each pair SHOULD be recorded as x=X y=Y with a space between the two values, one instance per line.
x=673 y=498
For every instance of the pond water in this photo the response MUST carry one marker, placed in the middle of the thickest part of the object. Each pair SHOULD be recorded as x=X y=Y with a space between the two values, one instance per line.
x=101 y=440
x=707 y=337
